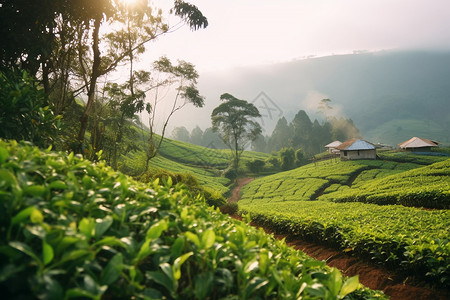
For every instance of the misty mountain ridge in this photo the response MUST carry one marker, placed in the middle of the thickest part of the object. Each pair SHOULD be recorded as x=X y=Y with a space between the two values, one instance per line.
x=390 y=96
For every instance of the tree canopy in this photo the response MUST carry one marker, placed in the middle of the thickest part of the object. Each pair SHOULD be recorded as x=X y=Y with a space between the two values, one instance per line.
x=67 y=47
x=235 y=120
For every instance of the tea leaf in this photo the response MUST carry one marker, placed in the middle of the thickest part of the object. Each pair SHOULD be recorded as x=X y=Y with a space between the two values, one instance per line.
x=47 y=253
x=193 y=238
x=34 y=190
x=9 y=178
x=25 y=249
x=86 y=227
x=162 y=278
x=58 y=185
x=203 y=285
x=4 y=154
x=254 y=285
x=36 y=216
x=156 y=229
x=112 y=270
x=102 y=226
x=176 y=268
x=350 y=285
x=22 y=215
x=208 y=239
x=334 y=281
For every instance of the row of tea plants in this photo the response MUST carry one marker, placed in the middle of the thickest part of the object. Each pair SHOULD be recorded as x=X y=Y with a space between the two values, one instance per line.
x=428 y=187
x=409 y=240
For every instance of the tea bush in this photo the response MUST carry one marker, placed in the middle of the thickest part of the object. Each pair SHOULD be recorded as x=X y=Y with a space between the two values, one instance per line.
x=73 y=229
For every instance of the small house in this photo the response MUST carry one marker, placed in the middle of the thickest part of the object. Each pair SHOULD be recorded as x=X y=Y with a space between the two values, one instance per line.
x=357 y=149
x=332 y=147
x=417 y=144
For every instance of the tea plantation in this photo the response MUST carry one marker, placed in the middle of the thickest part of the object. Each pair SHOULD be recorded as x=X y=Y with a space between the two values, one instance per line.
x=72 y=229
x=324 y=202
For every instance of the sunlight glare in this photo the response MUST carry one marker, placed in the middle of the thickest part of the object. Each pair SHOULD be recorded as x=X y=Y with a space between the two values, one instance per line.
x=129 y=2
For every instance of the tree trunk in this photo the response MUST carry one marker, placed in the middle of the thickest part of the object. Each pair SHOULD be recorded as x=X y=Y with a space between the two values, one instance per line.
x=92 y=85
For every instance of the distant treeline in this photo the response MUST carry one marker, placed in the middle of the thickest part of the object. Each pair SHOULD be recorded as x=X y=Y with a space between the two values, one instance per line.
x=197 y=136
x=300 y=133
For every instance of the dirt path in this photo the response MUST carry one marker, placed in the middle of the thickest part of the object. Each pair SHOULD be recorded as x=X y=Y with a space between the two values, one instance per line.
x=236 y=194
x=372 y=276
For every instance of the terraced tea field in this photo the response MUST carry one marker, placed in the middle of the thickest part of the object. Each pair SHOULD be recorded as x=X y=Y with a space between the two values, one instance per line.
x=302 y=202
x=202 y=156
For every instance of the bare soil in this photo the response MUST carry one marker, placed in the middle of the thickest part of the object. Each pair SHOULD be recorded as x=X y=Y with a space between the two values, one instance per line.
x=236 y=193
x=375 y=277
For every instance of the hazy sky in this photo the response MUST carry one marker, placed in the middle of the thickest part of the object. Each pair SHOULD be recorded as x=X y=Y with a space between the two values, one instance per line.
x=252 y=32
x=255 y=32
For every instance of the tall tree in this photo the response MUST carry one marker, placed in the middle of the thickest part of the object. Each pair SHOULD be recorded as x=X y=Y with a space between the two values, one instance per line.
x=234 y=119
x=211 y=139
x=125 y=100
x=280 y=136
x=141 y=14
x=42 y=36
x=259 y=144
x=301 y=128
x=183 y=78
x=26 y=33
x=196 y=135
x=181 y=134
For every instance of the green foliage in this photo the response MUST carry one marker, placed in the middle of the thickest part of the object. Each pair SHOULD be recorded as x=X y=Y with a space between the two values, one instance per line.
x=287 y=159
x=408 y=239
x=273 y=163
x=421 y=187
x=212 y=197
x=210 y=177
x=24 y=112
x=255 y=165
x=411 y=157
x=72 y=229
x=442 y=150
x=378 y=182
x=401 y=238
x=194 y=155
x=309 y=136
x=234 y=119
x=230 y=173
x=303 y=183
x=230 y=208
x=300 y=158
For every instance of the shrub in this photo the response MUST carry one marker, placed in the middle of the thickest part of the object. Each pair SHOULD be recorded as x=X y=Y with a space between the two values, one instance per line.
x=230 y=173
x=287 y=158
x=230 y=208
x=24 y=111
x=255 y=165
x=273 y=163
x=212 y=198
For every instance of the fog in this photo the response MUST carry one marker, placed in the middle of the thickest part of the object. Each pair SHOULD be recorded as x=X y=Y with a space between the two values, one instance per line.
x=256 y=46
x=375 y=90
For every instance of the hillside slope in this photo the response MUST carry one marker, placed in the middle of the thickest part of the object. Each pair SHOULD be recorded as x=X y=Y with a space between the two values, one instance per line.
x=411 y=240
x=206 y=164
x=391 y=96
